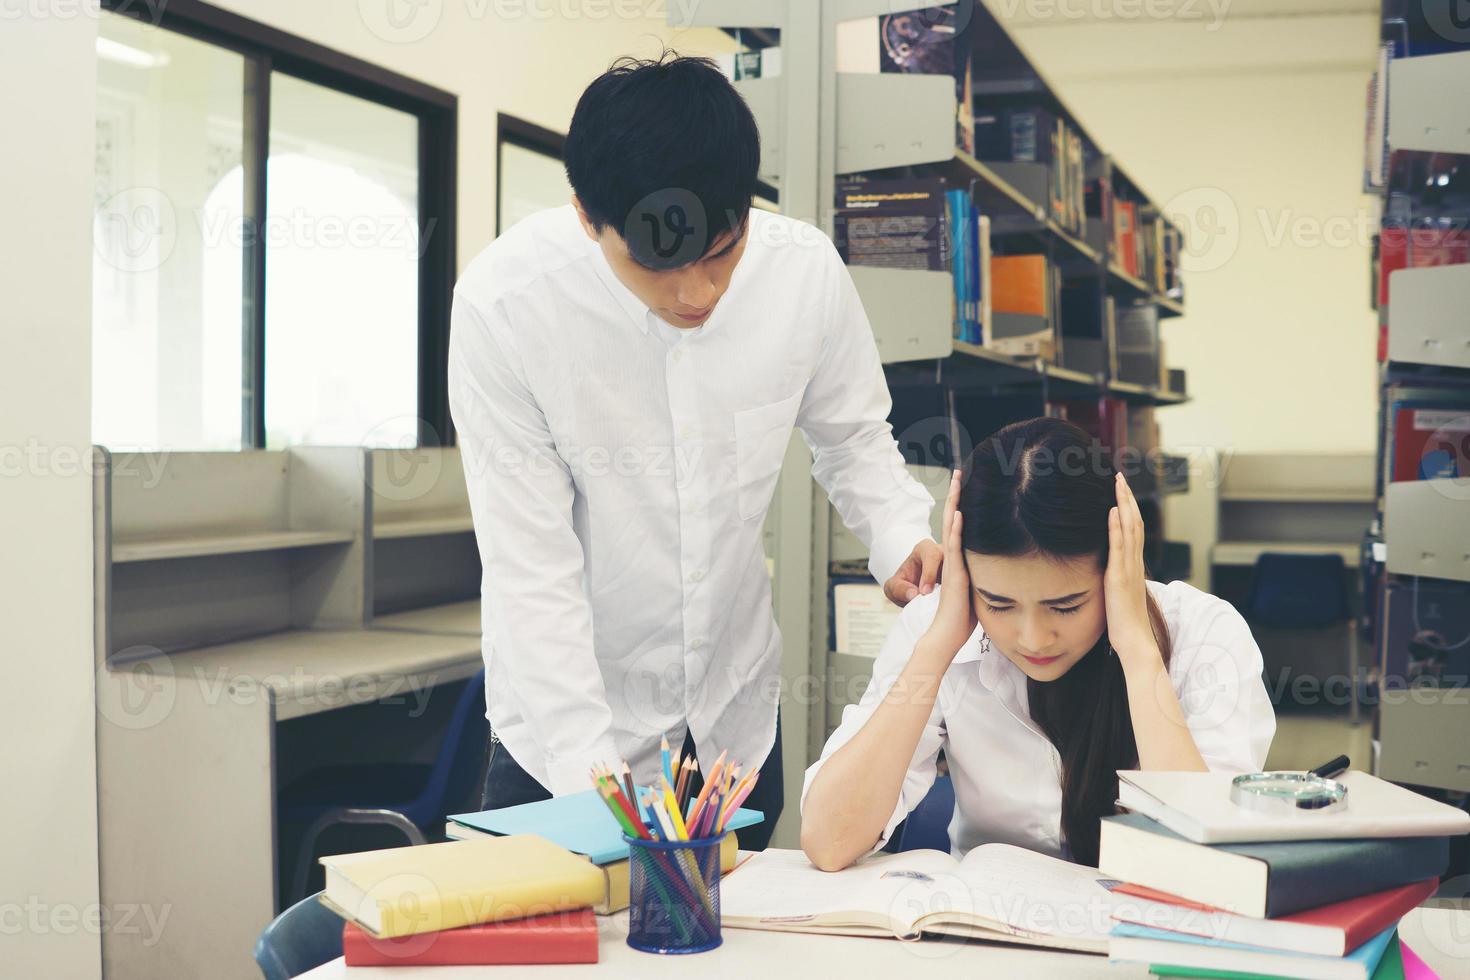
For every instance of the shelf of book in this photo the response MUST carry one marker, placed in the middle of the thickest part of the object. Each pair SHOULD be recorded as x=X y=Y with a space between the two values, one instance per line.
x=1416 y=147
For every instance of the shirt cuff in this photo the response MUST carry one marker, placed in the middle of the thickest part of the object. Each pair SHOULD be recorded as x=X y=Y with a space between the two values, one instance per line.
x=891 y=548
x=568 y=775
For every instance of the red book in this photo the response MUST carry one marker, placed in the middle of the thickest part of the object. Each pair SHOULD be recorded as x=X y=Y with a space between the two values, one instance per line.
x=1430 y=441
x=1328 y=930
x=1418 y=248
x=558 y=937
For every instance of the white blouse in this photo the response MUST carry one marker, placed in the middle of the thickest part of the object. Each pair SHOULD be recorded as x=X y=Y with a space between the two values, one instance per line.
x=1006 y=773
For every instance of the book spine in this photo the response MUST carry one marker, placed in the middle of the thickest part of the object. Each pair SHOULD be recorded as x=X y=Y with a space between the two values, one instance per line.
x=1333 y=871
x=575 y=942
x=976 y=282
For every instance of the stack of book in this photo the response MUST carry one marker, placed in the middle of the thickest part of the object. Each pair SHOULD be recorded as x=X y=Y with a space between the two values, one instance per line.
x=1032 y=135
x=499 y=900
x=1222 y=891
x=1025 y=300
x=1145 y=246
x=923 y=223
x=579 y=823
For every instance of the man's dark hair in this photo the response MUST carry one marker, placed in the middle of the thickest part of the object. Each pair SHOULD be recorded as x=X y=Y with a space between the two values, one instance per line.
x=665 y=152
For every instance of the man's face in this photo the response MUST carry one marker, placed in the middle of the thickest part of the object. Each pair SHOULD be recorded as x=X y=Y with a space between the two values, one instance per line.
x=684 y=297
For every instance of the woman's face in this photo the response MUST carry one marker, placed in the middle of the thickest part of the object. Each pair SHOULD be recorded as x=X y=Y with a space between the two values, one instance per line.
x=1041 y=613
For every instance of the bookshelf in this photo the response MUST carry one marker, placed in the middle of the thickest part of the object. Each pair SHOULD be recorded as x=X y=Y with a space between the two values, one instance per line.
x=819 y=126
x=1416 y=556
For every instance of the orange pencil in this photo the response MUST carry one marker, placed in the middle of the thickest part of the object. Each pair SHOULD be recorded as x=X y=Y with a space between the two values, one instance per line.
x=710 y=782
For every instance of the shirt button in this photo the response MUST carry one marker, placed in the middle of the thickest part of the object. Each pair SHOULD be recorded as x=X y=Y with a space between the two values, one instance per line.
x=685 y=431
x=697 y=645
x=678 y=355
x=698 y=575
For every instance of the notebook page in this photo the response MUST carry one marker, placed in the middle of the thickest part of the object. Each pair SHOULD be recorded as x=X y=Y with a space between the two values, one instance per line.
x=1039 y=894
x=783 y=885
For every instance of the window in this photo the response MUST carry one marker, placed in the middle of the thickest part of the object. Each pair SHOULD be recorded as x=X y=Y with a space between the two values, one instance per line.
x=166 y=350
x=274 y=240
x=530 y=175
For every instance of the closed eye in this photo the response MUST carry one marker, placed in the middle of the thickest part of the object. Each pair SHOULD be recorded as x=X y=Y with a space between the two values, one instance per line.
x=1064 y=610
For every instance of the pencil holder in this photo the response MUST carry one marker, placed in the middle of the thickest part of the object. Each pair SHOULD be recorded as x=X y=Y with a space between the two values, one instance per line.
x=674 y=895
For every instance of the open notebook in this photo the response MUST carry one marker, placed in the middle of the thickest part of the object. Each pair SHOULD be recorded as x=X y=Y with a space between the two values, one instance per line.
x=998 y=892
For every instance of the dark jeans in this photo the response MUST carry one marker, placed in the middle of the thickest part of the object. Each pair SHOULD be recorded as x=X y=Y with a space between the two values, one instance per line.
x=507 y=784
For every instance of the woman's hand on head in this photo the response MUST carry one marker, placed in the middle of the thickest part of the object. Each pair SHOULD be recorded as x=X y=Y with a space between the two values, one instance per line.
x=955 y=621
x=1129 y=629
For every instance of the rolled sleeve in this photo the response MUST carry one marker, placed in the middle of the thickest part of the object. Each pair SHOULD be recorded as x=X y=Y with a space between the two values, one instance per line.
x=897 y=648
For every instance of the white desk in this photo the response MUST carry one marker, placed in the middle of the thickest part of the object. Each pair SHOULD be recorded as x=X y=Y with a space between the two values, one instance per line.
x=1441 y=937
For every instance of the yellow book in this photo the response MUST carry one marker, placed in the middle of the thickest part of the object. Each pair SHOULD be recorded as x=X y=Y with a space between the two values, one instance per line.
x=404 y=891
x=615 y=874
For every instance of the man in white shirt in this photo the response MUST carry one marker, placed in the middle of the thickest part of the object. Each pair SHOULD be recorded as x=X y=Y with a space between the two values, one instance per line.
x=624 y=375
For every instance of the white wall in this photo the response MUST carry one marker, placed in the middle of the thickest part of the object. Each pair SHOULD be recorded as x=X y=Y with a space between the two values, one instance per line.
x=1250 y=124
x=48 y=904
x=523 y=64
x=527 y=58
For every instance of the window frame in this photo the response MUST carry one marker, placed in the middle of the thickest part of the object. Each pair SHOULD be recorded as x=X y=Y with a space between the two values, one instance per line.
x=528 y=136
x=267 y=49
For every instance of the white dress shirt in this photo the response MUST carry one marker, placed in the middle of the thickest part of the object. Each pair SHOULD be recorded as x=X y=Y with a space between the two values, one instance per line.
x=619 y=477
x=1005 y=771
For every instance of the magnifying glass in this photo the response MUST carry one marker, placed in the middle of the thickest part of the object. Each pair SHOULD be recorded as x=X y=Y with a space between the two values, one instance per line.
x=1292 y=793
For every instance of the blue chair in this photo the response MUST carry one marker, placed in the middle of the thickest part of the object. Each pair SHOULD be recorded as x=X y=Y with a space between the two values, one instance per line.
x=410 y=797
x=927 y=825
x=301 y=938
x=1304 y=592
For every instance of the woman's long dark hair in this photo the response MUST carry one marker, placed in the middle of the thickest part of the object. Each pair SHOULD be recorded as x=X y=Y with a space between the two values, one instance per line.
x=1044 y=487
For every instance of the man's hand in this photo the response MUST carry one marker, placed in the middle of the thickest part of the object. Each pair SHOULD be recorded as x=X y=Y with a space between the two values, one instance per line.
x=917 y=575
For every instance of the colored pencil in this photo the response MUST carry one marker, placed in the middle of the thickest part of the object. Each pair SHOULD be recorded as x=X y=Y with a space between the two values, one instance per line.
x=710 y=782
x=675 y=817
x=628 y=782
x=682 y=782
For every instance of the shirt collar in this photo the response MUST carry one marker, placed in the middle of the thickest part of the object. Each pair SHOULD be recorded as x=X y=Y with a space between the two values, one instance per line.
x=996 y=673
x=635 y=308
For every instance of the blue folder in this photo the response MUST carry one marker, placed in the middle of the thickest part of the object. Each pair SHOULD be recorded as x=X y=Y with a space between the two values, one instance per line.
x=1367 y=955
x=580 y=822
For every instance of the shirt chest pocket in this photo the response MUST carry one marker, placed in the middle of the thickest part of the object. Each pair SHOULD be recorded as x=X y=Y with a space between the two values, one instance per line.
x=761 y=437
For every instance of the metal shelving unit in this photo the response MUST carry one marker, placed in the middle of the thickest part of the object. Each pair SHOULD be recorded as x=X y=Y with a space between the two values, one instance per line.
x=815 y=125
x=1421 y=538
